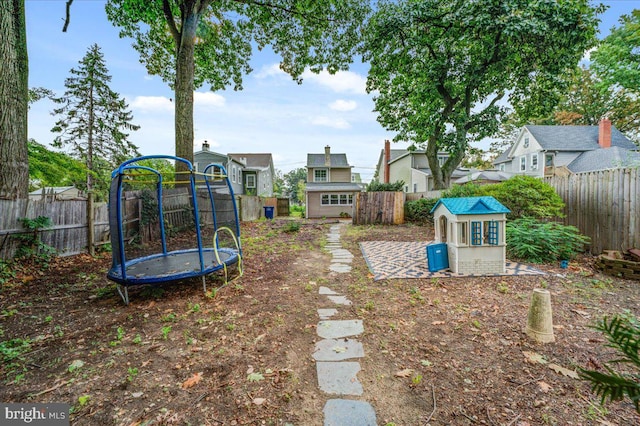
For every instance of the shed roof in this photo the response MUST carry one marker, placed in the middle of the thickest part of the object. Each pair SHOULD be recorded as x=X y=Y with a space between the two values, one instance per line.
x=472 y=205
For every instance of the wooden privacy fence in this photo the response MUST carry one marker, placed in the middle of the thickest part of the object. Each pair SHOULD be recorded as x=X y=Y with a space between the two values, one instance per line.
x=386 y=208
x=603 y=205
x=69 y=234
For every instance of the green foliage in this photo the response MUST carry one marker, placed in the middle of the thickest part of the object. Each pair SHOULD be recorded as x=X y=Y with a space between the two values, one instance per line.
x=31 y=246
x=291 y=181
x=377 y=186
x=466 y=190
x=419 y=210
x=13 y=349
x=93 y=118
x=297 y=210
x=540 y=242
x=292 y=226
x=616 y=59
x=440 y=67
x=49 y=168
x=623 y=334
x=526 y=196
x=149 y=212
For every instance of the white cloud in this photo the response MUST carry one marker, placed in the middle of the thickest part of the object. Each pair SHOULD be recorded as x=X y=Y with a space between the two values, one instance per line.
x=208 y=99
x=152 y=104
x=272 y=70
x=341 y=82
x=336 y=123
x=343 y=105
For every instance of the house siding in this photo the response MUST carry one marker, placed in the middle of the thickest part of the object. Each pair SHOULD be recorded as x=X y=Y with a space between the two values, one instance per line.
x=401 y=170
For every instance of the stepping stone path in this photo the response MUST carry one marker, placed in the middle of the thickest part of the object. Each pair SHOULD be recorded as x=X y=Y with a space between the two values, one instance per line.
x=335 y=354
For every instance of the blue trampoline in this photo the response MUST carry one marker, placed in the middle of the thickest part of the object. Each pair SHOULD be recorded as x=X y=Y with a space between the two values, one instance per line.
x=204 y=201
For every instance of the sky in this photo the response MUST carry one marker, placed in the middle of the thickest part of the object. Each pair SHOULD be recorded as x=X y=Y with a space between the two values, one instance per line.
x=272 y=114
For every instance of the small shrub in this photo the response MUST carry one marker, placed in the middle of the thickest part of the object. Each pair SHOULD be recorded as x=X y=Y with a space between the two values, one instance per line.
x=540 y=242
x=419 y=210
x=292 y=227
x=623 y=334
x=527 y=196
x=466 y=190
x=31 y=245
x=377 y=186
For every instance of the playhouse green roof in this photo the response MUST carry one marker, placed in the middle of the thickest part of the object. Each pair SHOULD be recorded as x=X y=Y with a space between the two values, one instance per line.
x=472 y=205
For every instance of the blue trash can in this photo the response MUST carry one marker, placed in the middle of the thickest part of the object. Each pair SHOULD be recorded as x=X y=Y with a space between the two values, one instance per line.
x=437 y=257
x=268 y=212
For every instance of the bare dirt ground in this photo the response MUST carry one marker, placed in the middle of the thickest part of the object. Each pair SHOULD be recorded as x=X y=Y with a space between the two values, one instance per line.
x=439 y=352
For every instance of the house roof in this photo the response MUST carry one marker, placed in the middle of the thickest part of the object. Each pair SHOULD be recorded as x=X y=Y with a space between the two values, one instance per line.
x=601 y=159
x=333 y=186
x=488 y=175
x=575 y=138
x=253 y=161
x=503 y=158
x=472 y=205
x=336 y=160
x=52 y=190
x=457 y=173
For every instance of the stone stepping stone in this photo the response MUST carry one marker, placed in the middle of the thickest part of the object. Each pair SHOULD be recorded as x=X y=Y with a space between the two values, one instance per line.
x=346 y=412
x=338 y=350
x=340 y=268
x=335 y=329
x=326 y=290
x=339 y=377
x=341 y=252
x=340 y=300
x=325 y=314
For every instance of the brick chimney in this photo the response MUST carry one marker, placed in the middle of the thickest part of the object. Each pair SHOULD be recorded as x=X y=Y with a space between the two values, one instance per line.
x=205 y=146
x=327 y=156
x=604 y=133
x=387 y=158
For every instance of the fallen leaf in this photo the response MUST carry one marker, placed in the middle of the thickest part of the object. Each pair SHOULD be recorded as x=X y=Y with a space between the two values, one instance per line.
x=255 y=377
x=404 y=373
x=564 y=371
x=533 y=358
x=437 y=323
x=259 y=401
x=544 y=387
x=192 y=381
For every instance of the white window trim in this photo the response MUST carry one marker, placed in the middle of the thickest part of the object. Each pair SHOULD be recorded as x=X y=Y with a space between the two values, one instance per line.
x=330 y=196
x=534 y=164
x=315 y=176
x=250 y=177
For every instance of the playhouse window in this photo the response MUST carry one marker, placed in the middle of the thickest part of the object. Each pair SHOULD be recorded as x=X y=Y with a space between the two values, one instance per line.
x=476 y=233
x=462 y=233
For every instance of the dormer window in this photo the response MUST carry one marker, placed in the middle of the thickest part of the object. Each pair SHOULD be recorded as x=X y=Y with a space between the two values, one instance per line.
x=320 y=175
x=526 y=142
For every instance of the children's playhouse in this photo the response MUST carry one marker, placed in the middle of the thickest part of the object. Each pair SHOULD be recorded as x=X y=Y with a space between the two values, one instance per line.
x=473 y=229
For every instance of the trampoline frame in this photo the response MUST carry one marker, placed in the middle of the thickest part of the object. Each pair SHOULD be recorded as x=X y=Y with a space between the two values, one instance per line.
x=205 y=264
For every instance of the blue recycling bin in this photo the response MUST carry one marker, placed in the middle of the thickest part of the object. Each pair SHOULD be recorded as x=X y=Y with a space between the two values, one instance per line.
x=437 y=257
x=268 y=212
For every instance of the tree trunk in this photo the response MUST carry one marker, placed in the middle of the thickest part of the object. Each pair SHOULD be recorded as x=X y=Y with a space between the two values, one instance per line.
x=184 y=89
x=14 y=88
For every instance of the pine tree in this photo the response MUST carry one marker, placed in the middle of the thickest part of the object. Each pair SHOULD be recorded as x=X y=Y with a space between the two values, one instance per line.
x=94 y=118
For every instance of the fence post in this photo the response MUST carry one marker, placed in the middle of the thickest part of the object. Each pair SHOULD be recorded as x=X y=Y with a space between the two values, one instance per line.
x=91 y=235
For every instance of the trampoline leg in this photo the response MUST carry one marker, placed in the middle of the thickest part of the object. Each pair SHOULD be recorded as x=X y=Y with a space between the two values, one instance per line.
x=125 y=295
x=204 y=284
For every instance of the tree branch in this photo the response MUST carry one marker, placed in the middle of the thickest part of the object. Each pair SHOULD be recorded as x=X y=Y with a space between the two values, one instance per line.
x=166 y=8
x=68 y=16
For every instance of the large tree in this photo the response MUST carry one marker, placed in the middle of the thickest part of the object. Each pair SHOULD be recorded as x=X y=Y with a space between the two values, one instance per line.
x=93 y=118
x=589 y=99
x=14 y=74
x=617 y=59
x=192 y=42
x=440 y=68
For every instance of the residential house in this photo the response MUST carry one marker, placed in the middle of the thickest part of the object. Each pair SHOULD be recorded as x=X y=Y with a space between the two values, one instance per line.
x=257 y=175
x=561 y=150
x=411 y=167
x=330 y=190
x=204 y=157
x=57 y=193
